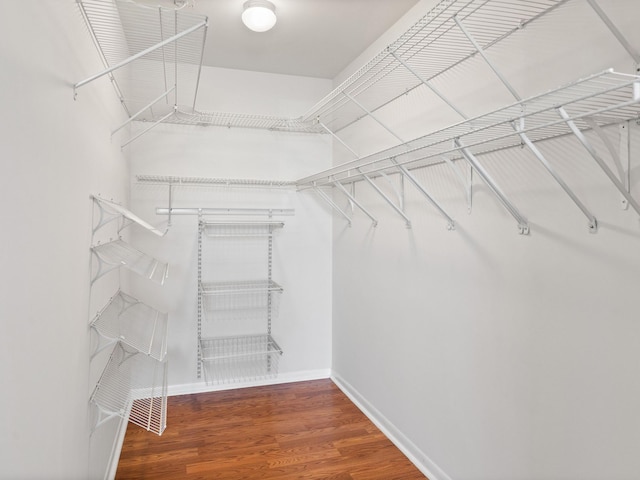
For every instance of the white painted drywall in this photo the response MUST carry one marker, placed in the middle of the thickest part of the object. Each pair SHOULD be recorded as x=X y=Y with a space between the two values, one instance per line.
x=55 y=152
x=498 y=356
x=302 y=249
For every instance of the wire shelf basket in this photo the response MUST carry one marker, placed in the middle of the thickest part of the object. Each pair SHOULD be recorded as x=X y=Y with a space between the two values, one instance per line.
x=241 y=228
x=133 y=386
x=240 y=358
x=135 y=324
x=240 y=300
x=119 y=253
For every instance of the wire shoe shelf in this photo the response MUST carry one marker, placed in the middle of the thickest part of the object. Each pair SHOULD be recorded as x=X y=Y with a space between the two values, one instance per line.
x=239 y=358
x=118 y=253
x=135 y=324
x=133 y=386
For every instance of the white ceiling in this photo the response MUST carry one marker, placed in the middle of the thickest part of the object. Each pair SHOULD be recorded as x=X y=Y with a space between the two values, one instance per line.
x=314 y=38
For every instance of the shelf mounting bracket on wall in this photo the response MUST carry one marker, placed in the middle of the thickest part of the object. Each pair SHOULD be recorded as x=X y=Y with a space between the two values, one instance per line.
x=523 y=226
x=594 y=154
x=616 y=32
x=385 y=197
x=353 y=200
x=451 y=224
x=593 y=223
x=331 y=203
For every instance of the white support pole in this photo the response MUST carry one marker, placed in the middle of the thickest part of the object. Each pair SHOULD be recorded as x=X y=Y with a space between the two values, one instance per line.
x=429 y=85
x=523 y=225
x=326 y=198
x=355 y=202
x=139 y=112
x=153 y=125
x=330 y=132
x=138 y=55
x=477 y=46
x=386 y=198
x=466 y=184
x=365 y=110
x=451 y=224
x=593 y=223
x=616 y=33
x=580 y=136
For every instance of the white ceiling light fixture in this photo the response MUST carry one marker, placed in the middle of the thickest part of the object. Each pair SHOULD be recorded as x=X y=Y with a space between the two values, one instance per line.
x=259 y=15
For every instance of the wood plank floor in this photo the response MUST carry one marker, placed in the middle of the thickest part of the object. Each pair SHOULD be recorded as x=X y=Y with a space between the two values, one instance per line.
x=305 y=430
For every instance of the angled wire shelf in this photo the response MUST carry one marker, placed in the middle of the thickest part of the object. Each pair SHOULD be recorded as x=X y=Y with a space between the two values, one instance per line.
x=607 y=98
x=118 y=253
x=135 y=324
x=110 y=209
x=133 y=386
x=239 y=358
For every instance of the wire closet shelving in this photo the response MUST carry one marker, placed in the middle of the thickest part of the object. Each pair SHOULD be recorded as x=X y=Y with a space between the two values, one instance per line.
x=133 y=384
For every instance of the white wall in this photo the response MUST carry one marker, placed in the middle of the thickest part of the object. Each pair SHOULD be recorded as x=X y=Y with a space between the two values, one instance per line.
x=55 y=152
x=302 y=249
x=488 y=354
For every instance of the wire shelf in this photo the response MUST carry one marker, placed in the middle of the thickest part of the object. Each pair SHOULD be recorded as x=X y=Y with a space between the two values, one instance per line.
x=122 y=29
x=119 y=253
x=135 y=324
x=607 y=97
x=431 y=47
x=113 y=208
x=240 y=228
x=133 y=386
x=240 y=300
x=223 y=182
x=241 y=358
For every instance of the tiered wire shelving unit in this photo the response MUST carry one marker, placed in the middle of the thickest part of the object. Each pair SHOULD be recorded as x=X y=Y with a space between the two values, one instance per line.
x=246 y=357
x=133 y=384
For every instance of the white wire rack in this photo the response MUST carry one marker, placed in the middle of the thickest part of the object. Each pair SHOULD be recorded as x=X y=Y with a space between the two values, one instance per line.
x=118 y=253
x=240 y=228
x=240 y=358
x=240 y=300
x=431 y=47
x=132 y=386
x=110 y=209
x=607 y=97
x=153 y=55
x=135 y=324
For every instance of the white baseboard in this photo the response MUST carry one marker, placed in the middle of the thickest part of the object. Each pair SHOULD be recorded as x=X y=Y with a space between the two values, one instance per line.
x=406 y=446
x=202 y=387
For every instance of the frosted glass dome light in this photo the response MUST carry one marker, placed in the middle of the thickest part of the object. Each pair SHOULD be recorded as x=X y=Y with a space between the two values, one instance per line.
x=259 y=15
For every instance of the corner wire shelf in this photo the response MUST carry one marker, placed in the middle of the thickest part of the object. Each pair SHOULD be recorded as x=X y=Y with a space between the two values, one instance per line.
x=135 y=324
x=118 y=253
x=205 y=181
x=110 y=210
x=152 y=55
x=133 y=386
x=239 y=358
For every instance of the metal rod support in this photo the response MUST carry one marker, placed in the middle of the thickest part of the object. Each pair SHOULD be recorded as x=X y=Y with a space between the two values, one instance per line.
x=486 y=59
x=466 y=184
x=153 y=125
x=429 y=86
x=451 y=224
x=356 y=203
x=326 y=198
x=579 y=135
x=386 y=198
x=593 y=223
x=523 y=225
x=614 y=30
x=330 y=132
x=364 y=109
x=138 y=55
x=137 y=114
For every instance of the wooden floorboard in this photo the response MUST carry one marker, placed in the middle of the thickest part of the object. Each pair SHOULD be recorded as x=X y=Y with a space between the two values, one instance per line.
x=294 y=431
